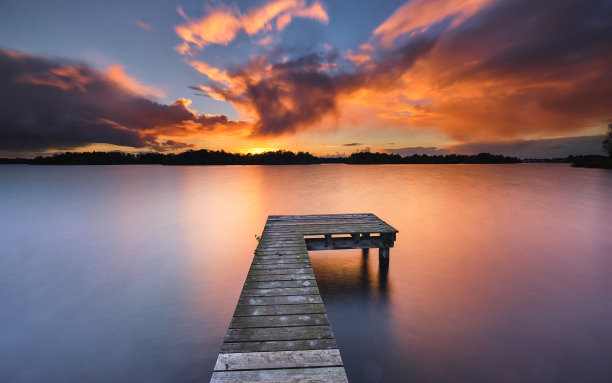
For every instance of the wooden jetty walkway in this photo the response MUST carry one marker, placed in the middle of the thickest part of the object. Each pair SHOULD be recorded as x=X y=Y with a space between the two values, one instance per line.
x=280 y=331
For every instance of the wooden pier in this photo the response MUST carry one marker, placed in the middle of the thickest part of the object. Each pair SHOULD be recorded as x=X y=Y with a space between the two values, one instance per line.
x=280 y=331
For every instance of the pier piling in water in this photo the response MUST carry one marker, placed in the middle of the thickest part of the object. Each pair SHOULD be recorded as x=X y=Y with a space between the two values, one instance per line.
x=280 y=330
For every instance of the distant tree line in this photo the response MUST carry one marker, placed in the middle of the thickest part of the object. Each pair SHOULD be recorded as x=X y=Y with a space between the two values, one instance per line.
x=190 y=157
x=597 y=161
x=591 y=161
x=280 y=157
x=384 y=158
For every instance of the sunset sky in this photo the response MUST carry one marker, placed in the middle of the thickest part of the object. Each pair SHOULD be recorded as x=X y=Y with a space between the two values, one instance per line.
x=516 y=77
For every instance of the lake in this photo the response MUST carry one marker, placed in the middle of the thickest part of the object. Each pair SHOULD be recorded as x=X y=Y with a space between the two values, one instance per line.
x=131 y=273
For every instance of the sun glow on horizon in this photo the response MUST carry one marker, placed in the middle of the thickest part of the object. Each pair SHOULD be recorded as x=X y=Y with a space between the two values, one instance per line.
x=257 y=150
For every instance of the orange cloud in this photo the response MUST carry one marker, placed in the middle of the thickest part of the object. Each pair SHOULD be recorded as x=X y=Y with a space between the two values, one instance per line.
x=357 y=58
x=222 y=23
x=418 y=15
x=316 y=12
x=144 y=25
x=212 y=73
x=219 y=27
x=117 y=74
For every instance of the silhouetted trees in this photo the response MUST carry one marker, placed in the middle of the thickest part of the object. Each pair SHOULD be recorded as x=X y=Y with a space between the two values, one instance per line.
x=596 y=161
x=190 y=157
x=383 y=158
x=591 y=161
x=607 y=143
x=283 y=157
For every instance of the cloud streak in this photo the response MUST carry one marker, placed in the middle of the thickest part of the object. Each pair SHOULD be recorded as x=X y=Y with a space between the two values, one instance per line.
x=144 y=25
x=417 y=16
x=223 y=22
x=61 y=104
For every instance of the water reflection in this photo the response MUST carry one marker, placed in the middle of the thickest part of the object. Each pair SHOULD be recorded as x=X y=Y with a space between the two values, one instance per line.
x=346 y=272
x=499 y=273
x=356 y=290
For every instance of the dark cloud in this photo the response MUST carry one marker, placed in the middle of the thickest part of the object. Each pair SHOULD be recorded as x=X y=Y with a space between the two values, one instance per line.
x=544 y=148
x=295 y=94
x=547 y=39
x=61 y=104
x=353 y=144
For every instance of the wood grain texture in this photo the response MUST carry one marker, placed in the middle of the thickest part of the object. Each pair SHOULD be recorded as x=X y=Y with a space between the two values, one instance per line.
x=280 y=331
x=297 y=375
x=278 y=360
x=293 y=345
x=279 y=320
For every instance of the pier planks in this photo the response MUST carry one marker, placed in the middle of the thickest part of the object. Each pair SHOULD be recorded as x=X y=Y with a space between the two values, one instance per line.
x=280 y=331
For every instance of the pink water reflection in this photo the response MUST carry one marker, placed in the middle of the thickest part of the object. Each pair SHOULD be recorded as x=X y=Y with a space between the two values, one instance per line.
x=499 y=272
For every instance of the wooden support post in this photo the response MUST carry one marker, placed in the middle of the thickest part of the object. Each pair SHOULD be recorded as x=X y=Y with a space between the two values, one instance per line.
x=383 y=252
x=365 y=251
x=328 y=239
x=383 y=256
x=356 y=237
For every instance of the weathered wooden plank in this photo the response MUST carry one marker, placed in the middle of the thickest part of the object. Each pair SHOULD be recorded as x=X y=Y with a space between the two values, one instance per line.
x=311 y=344
x=271 y=246
x=279 y=320
x=280 y=252
x=279 y=300
x=279 y=265
x=292 y=231
x=328 y=221
x=294 y=375
x=278 y=333
x=301 y=255
x=278 y=360
x=291 y=271
x=318 y=216
x=280 y=291
x=280 y=260
x=276 y=243
x=277 y=284
x=347 y=243
x=284 y=249
x=294 y=226
x=250 y=310
x=279 y=277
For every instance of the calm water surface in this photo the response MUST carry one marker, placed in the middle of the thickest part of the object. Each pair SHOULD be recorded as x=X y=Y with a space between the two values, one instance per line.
x=131 y=273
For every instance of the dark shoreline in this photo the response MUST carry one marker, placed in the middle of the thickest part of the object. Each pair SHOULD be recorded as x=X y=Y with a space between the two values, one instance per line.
x=220 y=157
x=281 y=157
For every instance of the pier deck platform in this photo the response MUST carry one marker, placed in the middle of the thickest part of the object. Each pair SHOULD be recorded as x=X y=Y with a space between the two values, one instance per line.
x=280 y=331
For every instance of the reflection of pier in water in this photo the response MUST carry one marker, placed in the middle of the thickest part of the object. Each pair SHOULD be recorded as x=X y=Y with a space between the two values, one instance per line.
x=280 y=330
x=357 y=292
x=350 y=274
